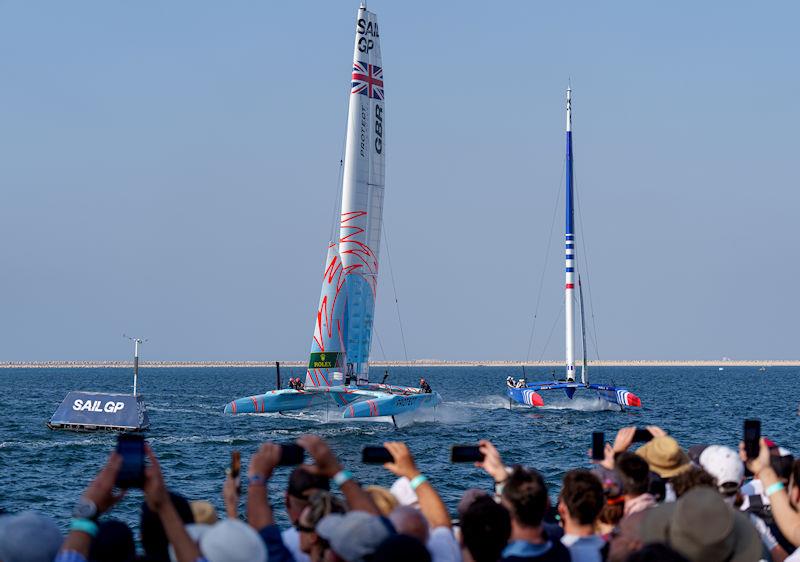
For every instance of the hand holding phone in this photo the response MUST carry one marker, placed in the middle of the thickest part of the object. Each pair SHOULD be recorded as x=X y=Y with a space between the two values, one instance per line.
x=465 y=453
x=130 y=446
x=598 y=446
x=376 y=455
x=752 y=438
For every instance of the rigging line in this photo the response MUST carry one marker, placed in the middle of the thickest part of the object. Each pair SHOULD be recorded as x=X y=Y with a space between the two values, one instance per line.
x=585 y=253
x=547 y=343
x=394 y=290
x=380 y=342
x=546 y=259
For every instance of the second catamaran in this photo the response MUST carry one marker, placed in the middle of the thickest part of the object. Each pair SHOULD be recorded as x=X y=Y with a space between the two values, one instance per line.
x=338 y=367
x=528 y=393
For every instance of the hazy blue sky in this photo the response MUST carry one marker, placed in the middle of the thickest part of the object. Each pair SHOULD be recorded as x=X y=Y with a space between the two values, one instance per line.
x=168 y=169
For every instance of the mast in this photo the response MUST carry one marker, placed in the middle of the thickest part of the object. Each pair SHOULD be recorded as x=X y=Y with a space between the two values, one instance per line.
x=362 y=193
x=584 y=371
x=569 y=287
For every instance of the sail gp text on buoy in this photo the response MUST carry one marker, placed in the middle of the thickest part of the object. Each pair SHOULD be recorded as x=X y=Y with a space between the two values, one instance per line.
x=94 y=406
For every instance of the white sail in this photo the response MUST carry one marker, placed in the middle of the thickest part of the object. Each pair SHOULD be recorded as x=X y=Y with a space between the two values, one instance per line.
x=362 y=192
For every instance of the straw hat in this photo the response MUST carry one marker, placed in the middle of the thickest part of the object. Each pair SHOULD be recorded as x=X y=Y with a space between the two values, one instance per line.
x=665 y=456
x=203 y=512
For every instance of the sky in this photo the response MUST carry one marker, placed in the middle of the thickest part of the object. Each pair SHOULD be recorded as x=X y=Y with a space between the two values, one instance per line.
x=168 y=170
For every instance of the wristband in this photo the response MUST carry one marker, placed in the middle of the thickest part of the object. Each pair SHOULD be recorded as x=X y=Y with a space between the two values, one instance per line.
x=84 y=526
x=256 y=480
x=341 y=477
x=776 y=487
x=418 y=481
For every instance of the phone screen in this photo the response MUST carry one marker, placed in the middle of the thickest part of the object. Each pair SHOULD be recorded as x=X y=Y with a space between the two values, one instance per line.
x=598 y=446
x=465 y=453
x=642 y=435
x=376 y=455
x=752 y=435
x=291 y=454
x=131 y=448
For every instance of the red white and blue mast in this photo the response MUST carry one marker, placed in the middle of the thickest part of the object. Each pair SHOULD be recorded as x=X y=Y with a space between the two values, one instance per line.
x=569 y=287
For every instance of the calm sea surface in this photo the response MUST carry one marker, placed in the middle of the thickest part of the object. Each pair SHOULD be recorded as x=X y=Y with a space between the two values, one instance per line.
x=47 y=470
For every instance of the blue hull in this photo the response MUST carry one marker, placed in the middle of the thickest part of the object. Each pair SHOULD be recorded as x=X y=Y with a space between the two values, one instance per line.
x=529 y=395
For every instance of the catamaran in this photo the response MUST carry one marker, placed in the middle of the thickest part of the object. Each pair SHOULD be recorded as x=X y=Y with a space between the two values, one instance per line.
x=338 y=367
x=528 y=393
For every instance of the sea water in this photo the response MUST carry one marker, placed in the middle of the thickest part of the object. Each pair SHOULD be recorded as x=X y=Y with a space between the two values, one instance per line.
x=47 y=470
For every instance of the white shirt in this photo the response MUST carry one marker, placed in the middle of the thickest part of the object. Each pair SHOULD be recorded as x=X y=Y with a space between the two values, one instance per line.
x=291 y=540
x=443 y=546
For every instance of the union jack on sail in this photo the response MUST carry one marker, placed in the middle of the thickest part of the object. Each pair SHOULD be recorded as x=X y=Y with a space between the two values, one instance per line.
x=367 y=80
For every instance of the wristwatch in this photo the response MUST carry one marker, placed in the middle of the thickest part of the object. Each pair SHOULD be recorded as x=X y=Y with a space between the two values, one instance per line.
x=85 y=509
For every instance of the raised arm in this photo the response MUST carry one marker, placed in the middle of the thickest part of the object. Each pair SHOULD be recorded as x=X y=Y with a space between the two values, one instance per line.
x=430 y=503
x=98 y=497
x=786 y=517
x=326 y=464
x=159 y=501
x=259 y=512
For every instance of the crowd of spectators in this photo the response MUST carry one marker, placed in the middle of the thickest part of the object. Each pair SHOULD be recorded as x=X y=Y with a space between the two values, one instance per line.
x=660 y=502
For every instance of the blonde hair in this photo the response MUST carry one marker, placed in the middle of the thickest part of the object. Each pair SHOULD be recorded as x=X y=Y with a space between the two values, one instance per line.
x=383 y=498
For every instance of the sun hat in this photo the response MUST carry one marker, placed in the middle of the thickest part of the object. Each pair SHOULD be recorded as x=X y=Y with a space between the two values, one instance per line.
x=405 y=494
x=229 y=540
x=29 y=536
x=724 y=464
x=665 y=456
x=701 y=526
x=354 y=535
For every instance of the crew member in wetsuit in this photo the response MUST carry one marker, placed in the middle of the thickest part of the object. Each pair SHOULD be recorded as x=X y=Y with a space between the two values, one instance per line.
x=299 y=385
x=521 y=383
x=426 y=388
x=510 y=382
x=291 y=383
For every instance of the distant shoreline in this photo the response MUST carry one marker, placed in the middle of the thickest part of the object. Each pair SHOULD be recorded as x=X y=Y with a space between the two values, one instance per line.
x=418 y=363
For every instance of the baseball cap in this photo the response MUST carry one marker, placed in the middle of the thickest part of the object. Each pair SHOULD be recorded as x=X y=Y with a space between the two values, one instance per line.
x=724 y=464
x=354 y=535
x=229 y=540
x=29 y=536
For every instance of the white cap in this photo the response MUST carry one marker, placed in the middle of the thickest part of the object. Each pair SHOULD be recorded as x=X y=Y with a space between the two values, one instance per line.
x=229 y=540
x=723 y=463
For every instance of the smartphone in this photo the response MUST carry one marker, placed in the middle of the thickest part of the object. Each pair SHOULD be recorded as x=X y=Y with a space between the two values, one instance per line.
x=131 y=447
x=236 y=468
x=642 y=435
x=376 y=455
x=598 y=446
x=465 y=453
x=291 y=454
x=752 y=436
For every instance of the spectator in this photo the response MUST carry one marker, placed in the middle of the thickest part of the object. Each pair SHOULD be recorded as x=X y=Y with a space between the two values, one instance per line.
x=29 y=537
x=409 y=521
x=664 y=456
x=524 y=494
x=402 y=548
x=154 y=537
x=614 y=505
x=299 y=488
x=441 y=543
x=352 y=537
x=579 y=505
x=485 y=529
x=692 y=478
x=656 y=552
x=113 y=543
x=702 y=527
x=203 y=512
x=230 y=540
x=635 y=475
x=320 y=504
x=383 y=498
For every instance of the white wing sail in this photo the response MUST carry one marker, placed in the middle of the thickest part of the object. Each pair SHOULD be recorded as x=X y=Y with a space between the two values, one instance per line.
x=362 y=192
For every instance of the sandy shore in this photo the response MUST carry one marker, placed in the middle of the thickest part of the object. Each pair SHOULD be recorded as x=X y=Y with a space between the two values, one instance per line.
x=417 y=363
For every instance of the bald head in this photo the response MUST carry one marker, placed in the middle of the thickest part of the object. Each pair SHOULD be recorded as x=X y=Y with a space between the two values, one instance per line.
x=409 y=521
